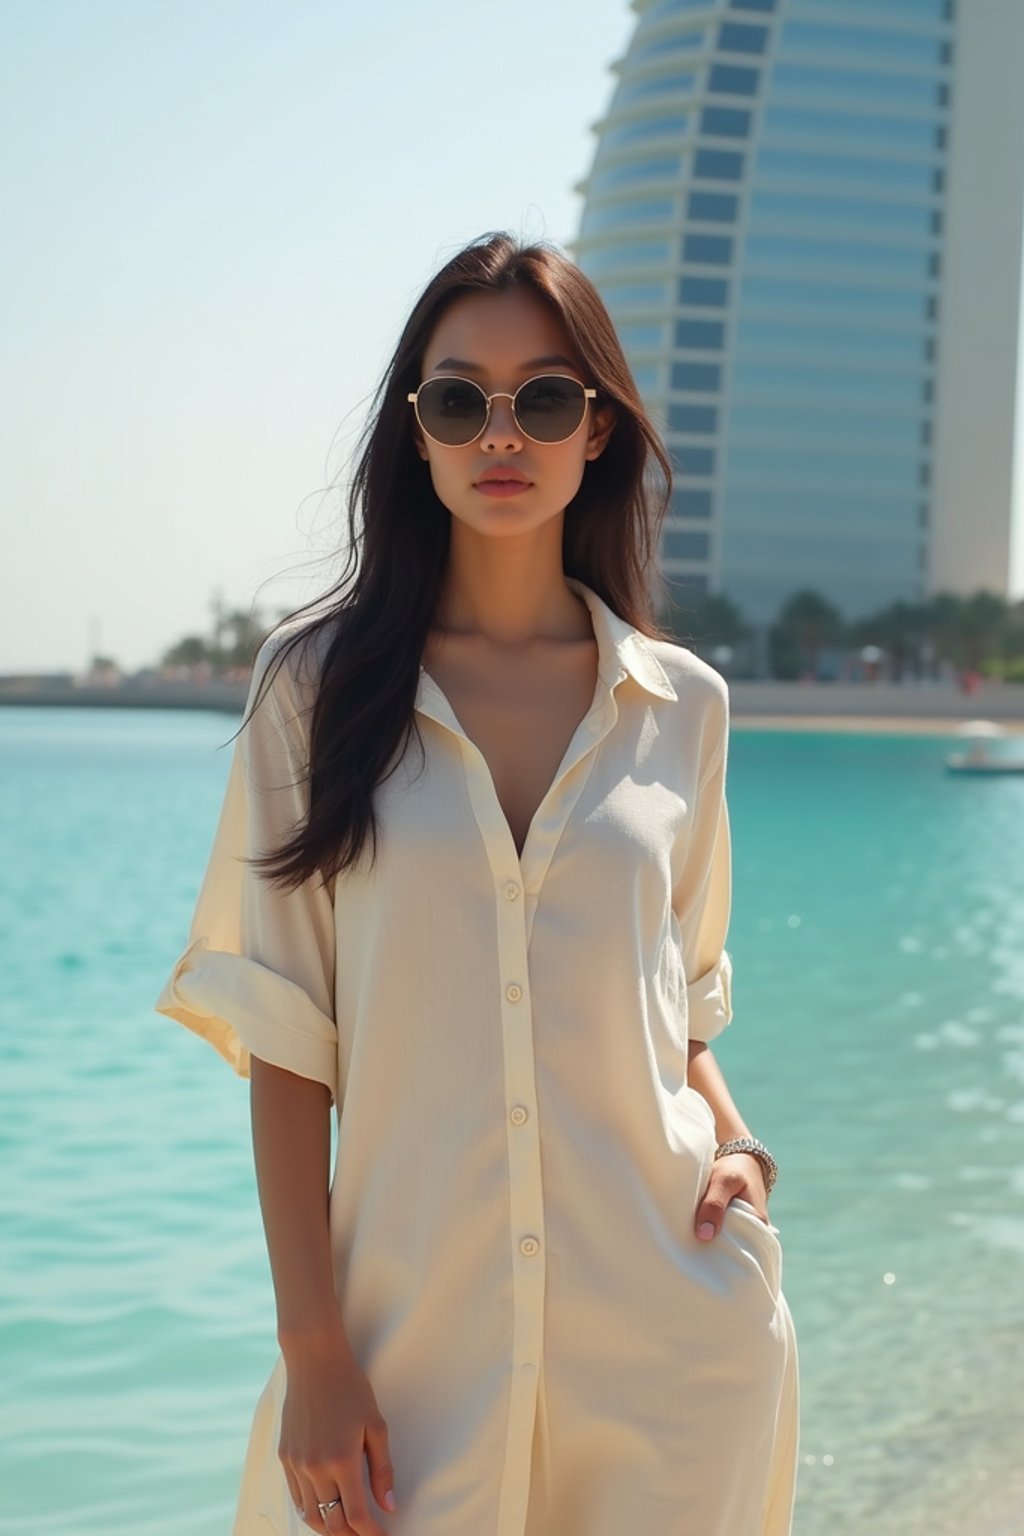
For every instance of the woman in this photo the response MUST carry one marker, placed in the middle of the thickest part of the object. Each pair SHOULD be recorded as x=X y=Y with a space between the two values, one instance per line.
x=470 y=886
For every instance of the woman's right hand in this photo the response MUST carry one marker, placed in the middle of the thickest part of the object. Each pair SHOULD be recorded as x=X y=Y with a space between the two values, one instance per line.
x=329 y=1419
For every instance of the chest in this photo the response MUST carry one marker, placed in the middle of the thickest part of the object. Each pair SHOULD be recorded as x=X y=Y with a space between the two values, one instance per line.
x=521 y=718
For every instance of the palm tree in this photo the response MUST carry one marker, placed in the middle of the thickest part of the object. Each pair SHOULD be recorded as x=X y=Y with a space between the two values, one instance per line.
x=806 y=624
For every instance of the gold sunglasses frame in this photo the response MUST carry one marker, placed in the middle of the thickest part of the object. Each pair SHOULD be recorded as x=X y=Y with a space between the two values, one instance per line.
x=500 y=394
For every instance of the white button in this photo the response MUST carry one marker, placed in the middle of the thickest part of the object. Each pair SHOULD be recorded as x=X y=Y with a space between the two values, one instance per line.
x=511 y=891
x=513 y=992
x=529 y=1246
x=519 y=1115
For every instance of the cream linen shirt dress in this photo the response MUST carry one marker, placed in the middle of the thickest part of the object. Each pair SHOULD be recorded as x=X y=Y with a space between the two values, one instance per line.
x=519 y=1156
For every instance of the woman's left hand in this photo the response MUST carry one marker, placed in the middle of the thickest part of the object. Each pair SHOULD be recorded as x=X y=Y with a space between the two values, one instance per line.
x=737 y=1173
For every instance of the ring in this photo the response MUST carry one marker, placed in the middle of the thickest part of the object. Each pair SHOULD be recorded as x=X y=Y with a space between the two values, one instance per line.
x=331 y=1503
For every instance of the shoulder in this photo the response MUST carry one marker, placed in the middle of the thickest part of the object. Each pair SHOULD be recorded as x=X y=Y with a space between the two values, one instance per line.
x=289 y=664
x=701 y=706
x=695 y=681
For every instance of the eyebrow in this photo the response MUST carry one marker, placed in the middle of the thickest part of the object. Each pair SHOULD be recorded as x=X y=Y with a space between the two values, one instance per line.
x=554 y=359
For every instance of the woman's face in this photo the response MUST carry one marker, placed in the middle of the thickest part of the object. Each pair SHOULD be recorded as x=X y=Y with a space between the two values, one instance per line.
x=499 y=340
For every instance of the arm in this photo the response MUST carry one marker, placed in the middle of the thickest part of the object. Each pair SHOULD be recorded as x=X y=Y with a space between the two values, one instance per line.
x=702 y=903
x=330 y=1417
x=291 y=1138
x=706 y=1076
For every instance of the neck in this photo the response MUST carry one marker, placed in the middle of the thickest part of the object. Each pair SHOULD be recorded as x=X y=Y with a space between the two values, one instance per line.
x=510 y=590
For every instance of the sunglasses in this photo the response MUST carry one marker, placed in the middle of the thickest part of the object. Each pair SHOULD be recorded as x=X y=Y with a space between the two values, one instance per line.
x=550 y=408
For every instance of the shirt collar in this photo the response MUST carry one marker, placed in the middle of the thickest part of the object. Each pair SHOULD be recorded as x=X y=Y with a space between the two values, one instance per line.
x=621 y=648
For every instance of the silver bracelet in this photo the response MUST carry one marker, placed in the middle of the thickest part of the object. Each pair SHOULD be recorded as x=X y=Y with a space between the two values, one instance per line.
x=760 y=1151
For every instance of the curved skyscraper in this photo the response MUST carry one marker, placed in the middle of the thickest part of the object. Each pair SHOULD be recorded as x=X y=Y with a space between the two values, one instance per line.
x=805 y=217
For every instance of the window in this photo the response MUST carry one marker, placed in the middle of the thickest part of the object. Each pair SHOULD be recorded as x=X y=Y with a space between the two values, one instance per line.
x=701 y=335
x=646 y=128
x=682 y=544
x=691 y=501
x=781 y=424
x=864 y=130
x=641 y=337
x=691 y=460
x=713 y=207
x=858 y=215
x=780 y=379
x=894 y=47
x=708 y=292
x=717 y=165
x=872 y=260
x=666 y=47
x=633 y=295
x=725 y=122
x=665 y=8
x=831 y=83
x=715 y=250
x=675 y=85
x=734 y=37
x=626 y=216
x=611 y=257
x=831 y=171
x=704 y=378
x=664 y=168
x=791 y=341
x=733 y=80
x=917 y=10
x=692 y=418
x=839 y=300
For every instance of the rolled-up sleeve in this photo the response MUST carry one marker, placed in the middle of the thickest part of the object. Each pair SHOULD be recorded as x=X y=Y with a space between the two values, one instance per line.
x=257 y=975
x=702 y=896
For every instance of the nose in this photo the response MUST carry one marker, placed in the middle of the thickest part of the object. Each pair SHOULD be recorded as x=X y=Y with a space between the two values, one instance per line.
x=501 y=434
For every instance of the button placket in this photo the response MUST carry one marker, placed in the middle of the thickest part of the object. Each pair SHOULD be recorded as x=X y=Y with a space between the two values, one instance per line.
x=526 y=1196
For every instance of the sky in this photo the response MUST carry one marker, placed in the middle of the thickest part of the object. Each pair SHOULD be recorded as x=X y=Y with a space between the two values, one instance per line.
x=217 y=215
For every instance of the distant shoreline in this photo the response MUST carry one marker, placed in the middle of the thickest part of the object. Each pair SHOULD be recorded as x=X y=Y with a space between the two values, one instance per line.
x=934 y=709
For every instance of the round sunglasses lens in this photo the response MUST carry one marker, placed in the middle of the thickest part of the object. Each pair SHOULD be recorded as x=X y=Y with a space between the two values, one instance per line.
x=550 y=408
x=452 y=410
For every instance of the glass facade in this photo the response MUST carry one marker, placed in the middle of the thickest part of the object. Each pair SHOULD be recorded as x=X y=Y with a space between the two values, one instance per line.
x=764 y=218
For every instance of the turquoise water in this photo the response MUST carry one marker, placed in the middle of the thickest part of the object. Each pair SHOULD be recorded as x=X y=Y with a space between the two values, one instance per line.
x=878 y=1047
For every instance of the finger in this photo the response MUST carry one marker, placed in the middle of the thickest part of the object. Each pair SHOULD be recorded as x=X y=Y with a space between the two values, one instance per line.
x=711 y=1211
x=354 y=1506
x=334 y=1521
x=308 y=1497
x=294 y=1490
x=378 y=1461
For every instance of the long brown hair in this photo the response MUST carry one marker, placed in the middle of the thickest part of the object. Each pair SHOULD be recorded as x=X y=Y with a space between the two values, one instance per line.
x=384 y=603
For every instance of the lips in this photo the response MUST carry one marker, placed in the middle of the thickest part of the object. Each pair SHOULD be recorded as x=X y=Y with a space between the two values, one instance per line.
x=502 y=474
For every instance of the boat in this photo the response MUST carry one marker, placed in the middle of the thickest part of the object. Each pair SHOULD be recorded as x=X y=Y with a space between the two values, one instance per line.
x=969 y=762
x=976 y=760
